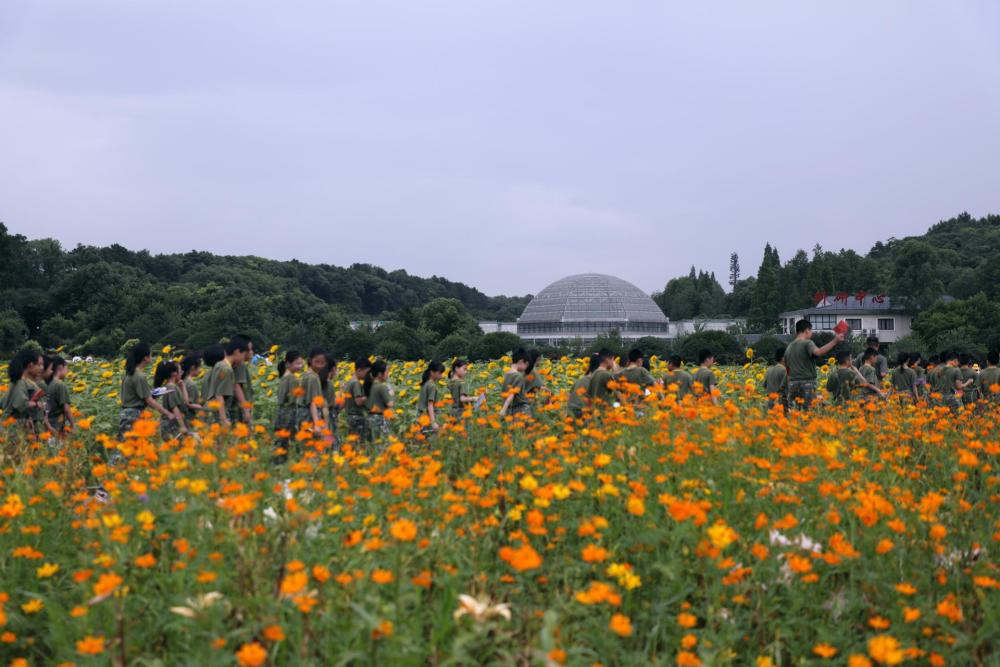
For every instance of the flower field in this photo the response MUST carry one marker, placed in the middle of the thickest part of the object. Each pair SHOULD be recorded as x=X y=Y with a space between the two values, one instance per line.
x=662 y=532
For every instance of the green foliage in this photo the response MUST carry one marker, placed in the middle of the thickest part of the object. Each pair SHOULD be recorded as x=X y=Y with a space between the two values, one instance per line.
x=611 y=340
x=13 y=331
x=766 y=347
x=967 y=325
x=651 y=346
x=444 y=317
x=724 y=346
x=695 y=295
x=494 y=345
x=453 y=345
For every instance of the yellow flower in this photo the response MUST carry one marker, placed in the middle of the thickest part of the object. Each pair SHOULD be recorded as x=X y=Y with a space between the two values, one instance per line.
x=721 y=535
x=33 y=606
x=47 y=570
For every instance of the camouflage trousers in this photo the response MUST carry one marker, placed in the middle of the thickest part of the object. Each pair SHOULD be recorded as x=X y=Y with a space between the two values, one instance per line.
x=801 y=394
x=126 y=418
x=378 y=426
x=358 y=425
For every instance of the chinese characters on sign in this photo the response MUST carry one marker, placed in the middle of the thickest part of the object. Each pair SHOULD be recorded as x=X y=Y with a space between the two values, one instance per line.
x=821 y=298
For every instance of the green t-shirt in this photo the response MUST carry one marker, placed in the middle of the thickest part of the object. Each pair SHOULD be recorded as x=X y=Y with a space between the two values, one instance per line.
x=354 y=389
x=533 y=382
x=800 y=357
x=847 y=379
x=682 y=379
x=775 y=379
x=706 y=378
x=172 y=398
x=135 y=390
x=381 y=399
x=192 y=391
x=222 y=380
x=428 y=395
x=457 y=387
x=206 y=385
x=18 y=397
x=599 y=388
x=242 y=377
x=515 y=380
x=58 y=397
x=987 y=378
x=638 y=375
x=286 y=390
x=947 y=378
x=311 y=388
x=871 y=377
x=903 y=378
x=576 y=394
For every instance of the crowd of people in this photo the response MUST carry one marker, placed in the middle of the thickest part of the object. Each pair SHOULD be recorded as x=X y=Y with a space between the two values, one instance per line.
x=38 y=400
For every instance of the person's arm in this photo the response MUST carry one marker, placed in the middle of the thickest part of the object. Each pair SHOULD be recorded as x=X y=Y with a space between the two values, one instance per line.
x=506 y=404
x=154 y=404
x=862 y=382
x=68 y=416
x=241 y=400
x=432 y=414
x=839 y=338
x=179 y=416
x=220 y=401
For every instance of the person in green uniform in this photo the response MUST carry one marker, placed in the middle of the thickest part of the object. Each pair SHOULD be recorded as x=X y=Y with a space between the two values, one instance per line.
x=458 y=388
x=775 y=384
x=60 y=410
x=950 y=382
x=989 y=378
x=871 y=387
x=426 y=402
x=136 y=396
x=800 y=358
x=284 y=414
x=334 y=399
x=904 y=379
x=355 y=400
x=310 y=406
x=212 y=355
x=969 y=377
x=167 y=392
x=843 y=379
x=24 y=397
x=635 y=372
x=704 y=375
x=600 y=391
x=242 y=384
x=579 y=400
x=190 y=368
x=678 y=377
x=918 y=366
x=513 y=386
x=223 y=403
x=381 y=399
x=534 y=383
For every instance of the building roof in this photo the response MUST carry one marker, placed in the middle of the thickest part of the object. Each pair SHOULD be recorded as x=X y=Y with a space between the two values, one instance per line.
x=870 y=304
x=592 y=297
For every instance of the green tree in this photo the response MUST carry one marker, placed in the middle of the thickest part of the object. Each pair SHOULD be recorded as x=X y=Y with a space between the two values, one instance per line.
x=494 y=345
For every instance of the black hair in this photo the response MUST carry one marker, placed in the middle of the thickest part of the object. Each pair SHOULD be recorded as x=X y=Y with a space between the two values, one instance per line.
x=533 y=357
x=290 y=357
x=458 y=363
x=433 y=367
x=675 y=360
x=635 y=354
x=871 y=339
x=993 y=357
x=361 y=363
x=593 y=363
x=868 y=354
x=646 y=363
x=164 y=370
x=779 y=355
x=57 y=362
x=902 y=358
x=948 y=356
x=964 y=359
x=377 y=368
x=46 y=362
x=914 y=358
x=843 y=356
x=213 y=354
x=138 y=352
x=802 y=325
x=189 y=363
x=238 y=343
x=703 y=355
x=22 y=360
x=315 y=352
x=519 y=355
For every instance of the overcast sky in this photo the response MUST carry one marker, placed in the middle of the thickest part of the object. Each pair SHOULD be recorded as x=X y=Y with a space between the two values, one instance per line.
x=502 y=144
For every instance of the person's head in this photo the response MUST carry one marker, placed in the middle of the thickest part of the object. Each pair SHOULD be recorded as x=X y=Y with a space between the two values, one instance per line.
x=674 y=362
x=166 y=371
x=379 y=371
x=292 y=362
x=993 y=357
x=239 y=349
x=843 y=358
x=804 y=328
x=27 y=363
x=432 y=373
x=47 y=367
x=605 y=358
x=872 y=342
x=635 y=357
x=950 y=358
x=779 y=355
x=317 y=359
x=869 y=356
x=902 y=359
x=706 y=357
x=593 y=363
x=59 y=367
x=459 y=368
x=519 y=360
x=361 y=367
x=213 y=354
x=964 y=359
x=190 y=365
x=137 y=357
x=914 y=358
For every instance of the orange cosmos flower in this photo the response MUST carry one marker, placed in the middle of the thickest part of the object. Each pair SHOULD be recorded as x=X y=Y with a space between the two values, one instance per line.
x=621 y=625
x=521 y=559
x=293 y=583
x=274 y=633
x=593 y=553
x=380 y=576
x=885 y=650
x=824 y=650
x=90 y=645
x=106 y=584
x=251 y=655
x=403 y=530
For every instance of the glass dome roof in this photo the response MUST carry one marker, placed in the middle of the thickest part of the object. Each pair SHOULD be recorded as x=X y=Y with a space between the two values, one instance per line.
x=592 y=297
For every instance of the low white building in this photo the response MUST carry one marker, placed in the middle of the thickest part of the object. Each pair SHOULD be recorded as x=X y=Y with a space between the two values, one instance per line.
x=678 y=328
x=865 y=314
x=498 y=327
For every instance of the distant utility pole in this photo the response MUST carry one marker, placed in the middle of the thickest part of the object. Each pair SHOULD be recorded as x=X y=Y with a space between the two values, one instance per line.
x=734 y=270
